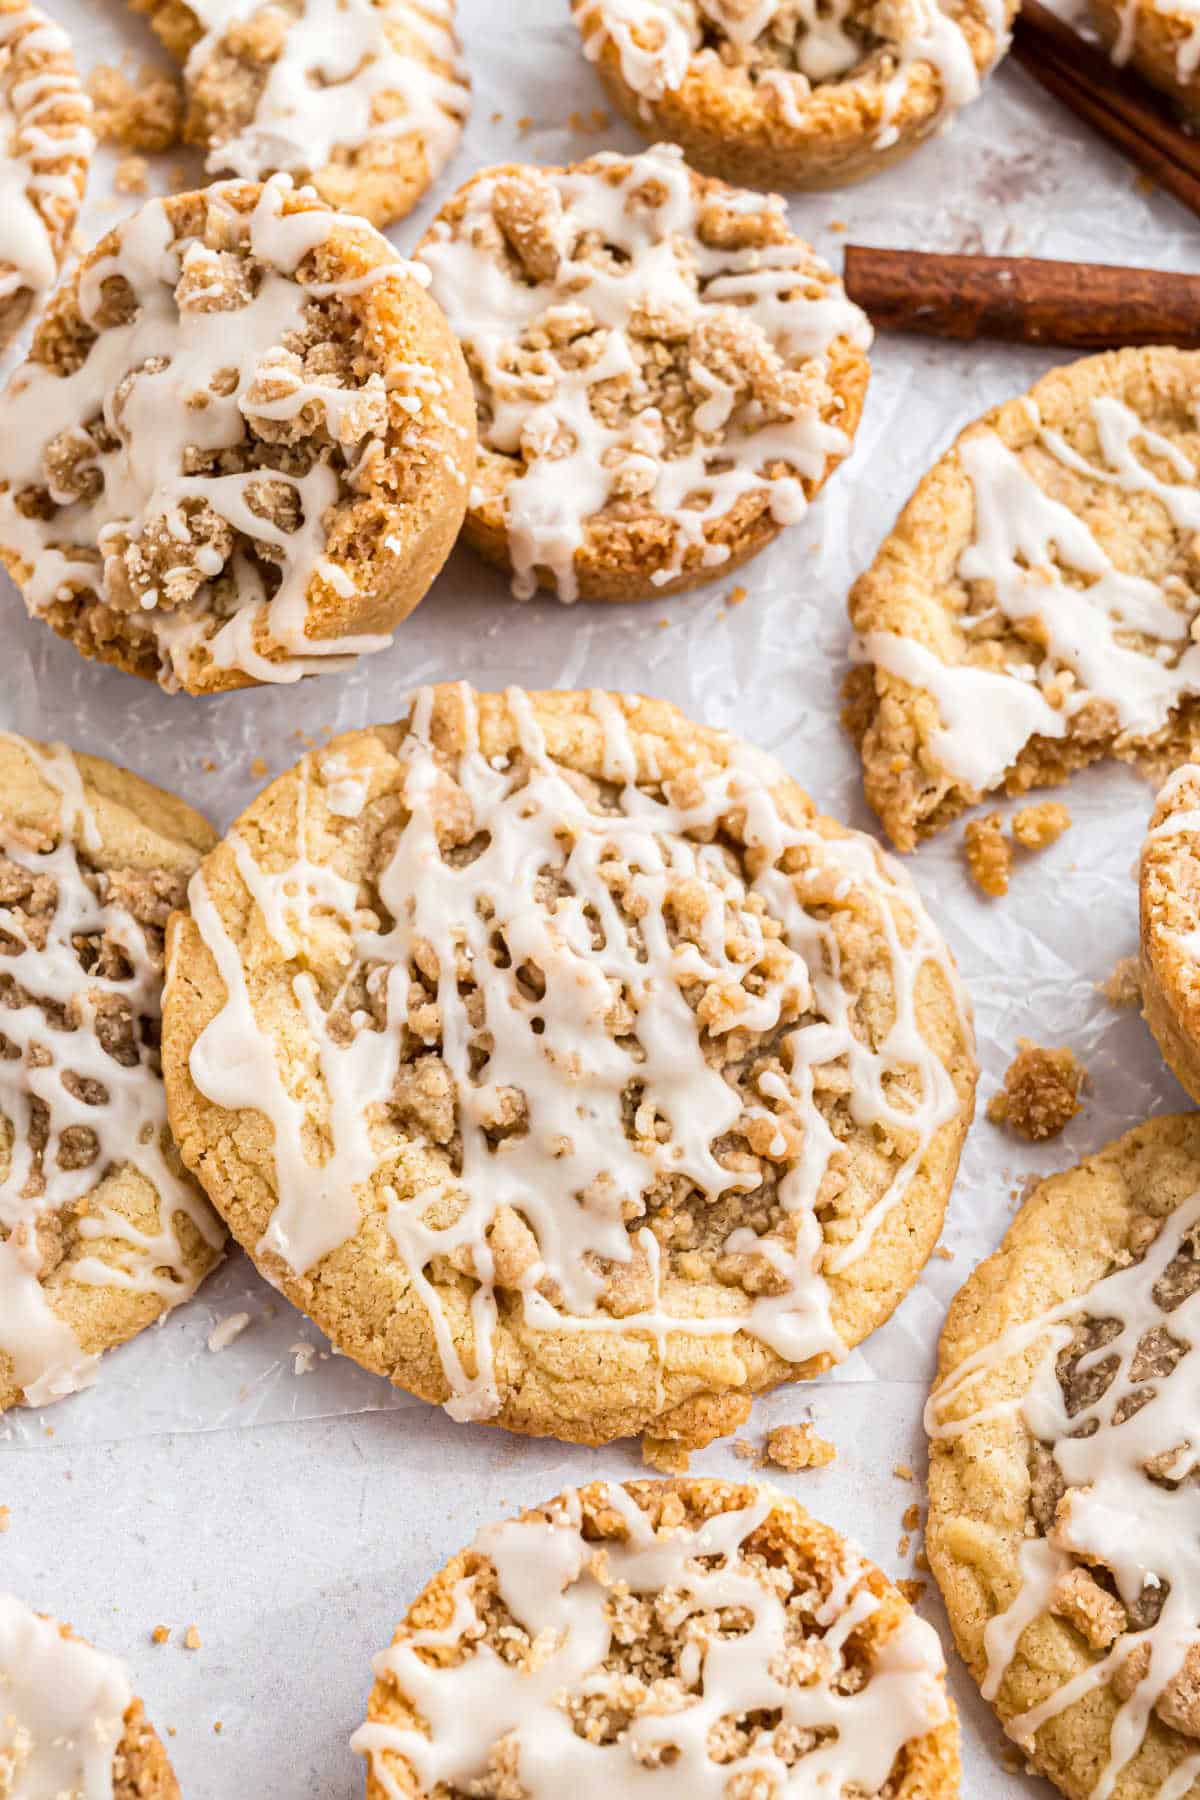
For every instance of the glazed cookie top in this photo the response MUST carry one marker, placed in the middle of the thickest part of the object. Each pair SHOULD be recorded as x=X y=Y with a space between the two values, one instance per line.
x=69 y=1724
x=230 y=418
x=47 y=146
x=784 y=49
x=1034 y=606
x=595 y=1034
x=651 y=351
x=1065 y=1520
x=100 y=1228
x=1179 y=19
x=676 y=1639
x=313 y=87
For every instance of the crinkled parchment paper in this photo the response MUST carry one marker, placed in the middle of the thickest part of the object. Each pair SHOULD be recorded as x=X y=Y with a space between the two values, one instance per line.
x=292 y=1515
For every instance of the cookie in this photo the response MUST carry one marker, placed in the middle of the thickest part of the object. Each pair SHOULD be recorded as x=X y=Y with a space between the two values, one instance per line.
x=564 y=1066
x=665 y=376
x=101 y=1229
x=1034 y=606
x=673 y=1637
x=47 y=150
x=1160 y=38
x=239 y=450
x=69 y=1721
x=363 y=99
x=780 y=93
x=1169 y=895
x=1062 y=1484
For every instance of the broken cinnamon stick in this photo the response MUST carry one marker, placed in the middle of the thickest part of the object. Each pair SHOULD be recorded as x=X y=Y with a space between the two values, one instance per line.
x=1024 y=300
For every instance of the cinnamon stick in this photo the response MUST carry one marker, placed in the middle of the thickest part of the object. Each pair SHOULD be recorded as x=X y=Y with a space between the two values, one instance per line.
x=1022 y=299
x=1115 y=102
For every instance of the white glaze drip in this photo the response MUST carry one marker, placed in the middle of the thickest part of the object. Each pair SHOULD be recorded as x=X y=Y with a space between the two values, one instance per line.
x=570 y=463
x=151 y=381
x=561 y=1588
x=62 y=1710
x=55 y=1063
x=1042 y=561
x=575 y=1176
x=1146 y=1534
x=333 y=85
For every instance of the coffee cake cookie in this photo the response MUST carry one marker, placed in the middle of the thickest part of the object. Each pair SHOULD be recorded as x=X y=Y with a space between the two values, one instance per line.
x=782 y=93
x=1063 y=1516
x=665 y=376
x=1169 y=893
x=70 y=1725
x=239 y=450
x=363 y=99
x=666 y=1637
x=564 y=1066
x=101 y=1229
x=1160 y=38
x=1035 y=606
x=47 y=149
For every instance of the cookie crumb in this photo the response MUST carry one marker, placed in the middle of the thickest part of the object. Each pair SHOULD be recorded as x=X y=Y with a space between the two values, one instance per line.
x=218 y=1726
x=146 y=114
x=665 y=1455
x=912 y=1517
x=306 y=1358
x=1124 y=985
x=838 y=225
x=129 y=176
x=1040 y=1093
x=795 y=1447
x=5 y=1518
x=912 y=1589
x=902 y=1472
x=903 y=1546
x=921 y=1560
x=161 y=1634
x=191 y=1638
x=525 y=123
x=989 y=855
x=748 y=1452
x=1036 y=827
x=228 y=1328
x=736 y=596
x=941 y=1251
x=258 y=767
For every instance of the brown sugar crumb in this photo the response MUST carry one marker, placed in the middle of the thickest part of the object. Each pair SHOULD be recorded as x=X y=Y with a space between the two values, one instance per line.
x=735 y=597
x=1083 y=1603
x=838 y=225
x=191 y=1638
x=902 y=1472
x=912 y=1517
x=941 y=1251
x=5 y=1518
x=1040 y=1093
x=904 y=1545
x=1036 y=827
x=1124 y=985
x=912 y=1589
x=665 y=1455
x=146 y=114
x=258 y=767
x=218 y=1726
x=524 y=124
x=795 y=1447
x=129 y=176
x=748 y=1452
x=921 y=1560
x=161 y=1634
x=989 y=855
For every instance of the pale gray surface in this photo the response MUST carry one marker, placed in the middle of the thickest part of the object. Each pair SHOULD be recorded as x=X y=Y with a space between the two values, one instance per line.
x=293 y=1517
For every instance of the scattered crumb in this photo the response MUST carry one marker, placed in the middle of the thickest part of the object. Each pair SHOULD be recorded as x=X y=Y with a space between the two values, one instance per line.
x=666 y=1455
x=748 y=1452
x=1040 y=1093
x=161 y=1634
x=902 y=1472
x=144 y=114
x=838 y=225
x=795 y=1447
x=735 y=596
x=577 y=122
x=1011 y=1761
x=218 y=1726
x=191 y=1638
x=663 y=623
x=209 y=766
x=921 y=1560
x=497 y=118
x=524 y=124
x=988 y=854
x=226 y=1329
x=912 y=1517
x=172 y=1730
x=49 y=1430
x=903 y=1546
x=5 y=1518
x=258 y=767
x=912 y=1590
x=945 y=1254
x=1035 y=827
x=129 y=176
x=1124 y=985
x=306 y=1358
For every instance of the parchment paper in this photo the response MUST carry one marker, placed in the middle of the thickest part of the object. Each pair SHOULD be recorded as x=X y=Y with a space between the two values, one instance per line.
x=293 y=1516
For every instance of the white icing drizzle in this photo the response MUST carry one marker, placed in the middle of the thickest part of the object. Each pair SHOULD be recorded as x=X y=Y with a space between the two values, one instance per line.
x=62 y=1710
x=333 y=85
x=570 y=461
x=566 y=1592
x=54 y=1056
x=1043 y=562
x=575 y=1176
x=151 y=382
x=661 y=42
x=45 y=142
x=1146 y=1534
x=1187 y=52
